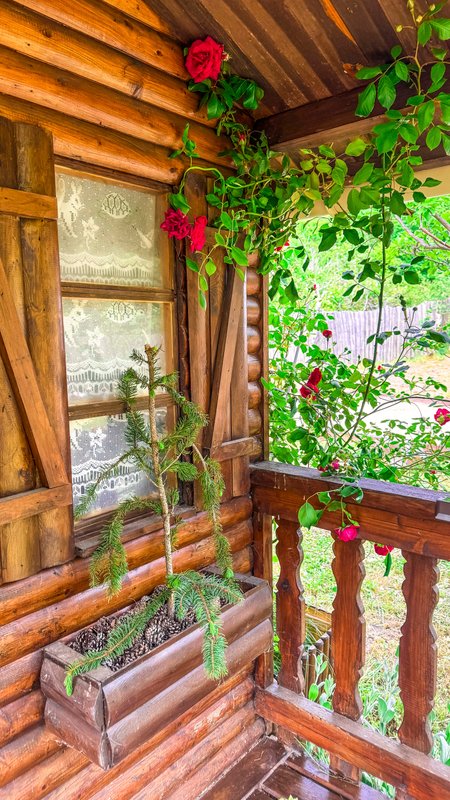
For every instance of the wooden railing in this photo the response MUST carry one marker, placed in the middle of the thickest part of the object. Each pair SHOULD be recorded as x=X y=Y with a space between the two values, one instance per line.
x=417 y=522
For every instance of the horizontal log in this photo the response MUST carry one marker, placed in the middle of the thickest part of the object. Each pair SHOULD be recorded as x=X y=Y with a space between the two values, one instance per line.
x=29 y=33
x=19 y=715
x=234 y=449
x=19 y=677
x=51 y=623
x=254 y=282
x=254 y=394
x=422 y=777
x=253 y=311
x=71 y=728
x=42 y=777
x=158 y=712
x=27 y=204
x=177 y=660
x=21 y=754
x=43 y=84
x=86 y=143
x=404 y=516
x=54 y=585
x=36 y=501
x=253 y=339
x=160 y=751
x=254 y=368
x=211 y=760
x=317 y=772
x=115 y=29
x=140 y=10
x=254 y=421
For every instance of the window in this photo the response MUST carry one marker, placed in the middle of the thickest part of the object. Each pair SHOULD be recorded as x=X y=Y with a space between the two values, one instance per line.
x=117 y=287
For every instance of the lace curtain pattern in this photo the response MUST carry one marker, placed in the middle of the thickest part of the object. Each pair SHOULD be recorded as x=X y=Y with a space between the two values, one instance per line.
x=107 y=237
x=107 y=233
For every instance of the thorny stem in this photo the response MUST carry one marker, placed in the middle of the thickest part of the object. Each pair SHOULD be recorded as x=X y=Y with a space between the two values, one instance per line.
x=151 y=353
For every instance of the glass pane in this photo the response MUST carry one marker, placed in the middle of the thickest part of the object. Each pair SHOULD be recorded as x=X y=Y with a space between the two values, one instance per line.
x=96 y=444
x=108 y=233
x=100 y=335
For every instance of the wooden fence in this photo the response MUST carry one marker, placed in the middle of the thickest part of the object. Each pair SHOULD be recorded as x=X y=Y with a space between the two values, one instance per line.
x=417 y=521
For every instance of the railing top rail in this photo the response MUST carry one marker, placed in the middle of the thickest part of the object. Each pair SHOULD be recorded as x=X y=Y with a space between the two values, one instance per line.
x=407 y=517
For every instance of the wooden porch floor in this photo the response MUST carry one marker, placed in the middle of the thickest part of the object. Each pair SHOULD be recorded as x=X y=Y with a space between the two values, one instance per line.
x=271 y=771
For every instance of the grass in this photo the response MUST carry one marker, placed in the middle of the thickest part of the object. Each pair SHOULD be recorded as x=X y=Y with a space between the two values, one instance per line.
x=384 y=613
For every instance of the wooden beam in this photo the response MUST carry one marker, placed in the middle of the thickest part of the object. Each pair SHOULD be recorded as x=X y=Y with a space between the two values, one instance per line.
x=421 y=776
x=17 y=359
x=223 y=367
x=28 y=504
x=27 y=204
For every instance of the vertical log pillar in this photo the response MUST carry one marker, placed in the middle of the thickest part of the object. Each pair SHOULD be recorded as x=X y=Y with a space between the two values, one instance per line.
x=42 y=294
x=348 y=634
x=263 y=568
x=19 y=541
x=291 y=619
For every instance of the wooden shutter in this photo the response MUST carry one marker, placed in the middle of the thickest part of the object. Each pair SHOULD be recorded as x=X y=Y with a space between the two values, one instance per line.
x=218 y=357
x=35 y=490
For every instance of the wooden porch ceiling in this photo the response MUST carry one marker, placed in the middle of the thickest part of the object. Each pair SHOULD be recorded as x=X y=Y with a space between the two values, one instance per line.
x=299 y=51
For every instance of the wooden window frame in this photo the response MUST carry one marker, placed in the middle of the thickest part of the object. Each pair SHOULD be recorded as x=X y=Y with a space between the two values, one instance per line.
x=92 y=525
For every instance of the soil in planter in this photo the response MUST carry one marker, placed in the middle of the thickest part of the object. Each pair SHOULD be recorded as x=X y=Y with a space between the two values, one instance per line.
x=158 y=630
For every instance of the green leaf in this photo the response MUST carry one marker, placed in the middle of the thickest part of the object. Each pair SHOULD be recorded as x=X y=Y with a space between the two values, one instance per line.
x=220 y=240
x=324 y=497
x=425 y=115
x=210 y=267
x=308 y=516
x=402 y=71
x=396 y=51
x=433 y=139
x=191 y=264
x=386 y=91
x=429 y=182
x=424 y=33
x=438 y=336
x=226 y=221
x=202 y=300
x=328 y=239
x=363 y=174
x=397 y=204
x=411 y=277
x=353 y=202
x=386 y=139
x=238 y=256
x=437 y=72
x=409 y=133
x=356 y=147
x=203 y=283
x=366 y=101
x=366 y=73
x=178 y=200
x=441 y=27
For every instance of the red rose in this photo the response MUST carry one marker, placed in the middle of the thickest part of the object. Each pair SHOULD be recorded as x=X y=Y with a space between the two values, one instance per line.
x=442 y=416
x=176 y=224
x=334 y=465
x=314 y=287
x=197 y=235
x=327 y=334
x=204 y=59
x=383 y=549
x=348 y=533
x=311 y=386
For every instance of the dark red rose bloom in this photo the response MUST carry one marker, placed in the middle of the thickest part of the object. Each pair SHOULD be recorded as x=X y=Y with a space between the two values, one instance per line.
x=333 y=465
x=176 y=224
x=383 y=549
x=327 y=334
x=204 y=59
x=315 y=377
x=442 y=416
x=348 y=533
x=198 y=236
x=314 y=287
x=311 y=386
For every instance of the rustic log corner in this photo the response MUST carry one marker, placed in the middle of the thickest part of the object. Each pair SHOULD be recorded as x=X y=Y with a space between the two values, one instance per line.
x=111 y=713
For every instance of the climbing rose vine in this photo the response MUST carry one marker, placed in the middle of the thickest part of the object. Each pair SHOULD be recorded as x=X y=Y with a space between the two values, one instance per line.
x=322 y=406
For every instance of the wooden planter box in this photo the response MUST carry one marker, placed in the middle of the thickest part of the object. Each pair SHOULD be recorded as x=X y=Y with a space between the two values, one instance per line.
x=111 y=713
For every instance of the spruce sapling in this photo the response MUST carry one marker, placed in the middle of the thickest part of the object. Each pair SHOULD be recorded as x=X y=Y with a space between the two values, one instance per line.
x=160 y=457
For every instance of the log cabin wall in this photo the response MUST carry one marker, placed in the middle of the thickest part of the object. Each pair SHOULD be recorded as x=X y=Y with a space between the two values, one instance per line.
x=105 y=78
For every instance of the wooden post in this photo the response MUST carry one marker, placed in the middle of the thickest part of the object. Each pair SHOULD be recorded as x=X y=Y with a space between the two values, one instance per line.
x=42 y=292
x=348 y=631
x=19 y=541
x=263 y=568
x=418 y=652
x=291 y=619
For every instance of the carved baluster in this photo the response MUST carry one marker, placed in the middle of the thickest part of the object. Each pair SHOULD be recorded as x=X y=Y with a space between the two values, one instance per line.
x=263 y=568
x=348 y=637
x=290 y=606
x=418 y=652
